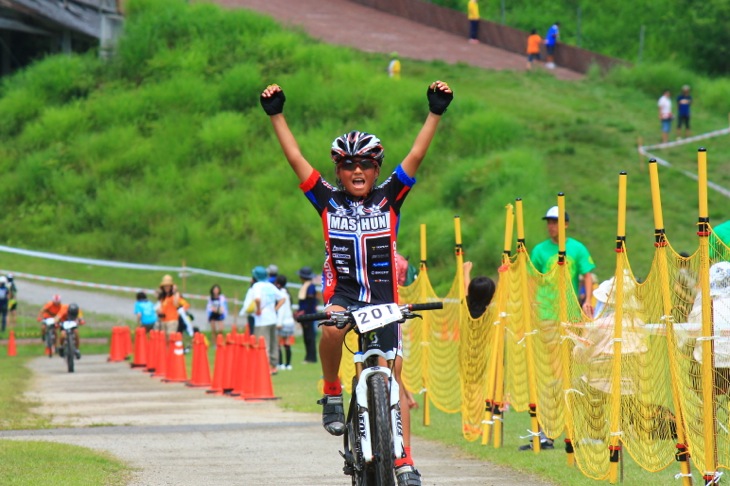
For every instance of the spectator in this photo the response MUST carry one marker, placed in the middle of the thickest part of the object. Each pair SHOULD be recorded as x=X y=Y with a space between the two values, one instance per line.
x=168 y=303
x=394 y=66
x=665 y=114
x=308 y=305
x=685 y=288
x=145 y=312
x=4 y=301
x=684 y=100
x=473 y=16
x=579 y=262
x=264 y=296
x=534 y=41
x=217 y=310
x=272 y=271
x=284 y=324
x=551 y=42
x=720 y=295
x=13 y=302
x=719 y=241
x=479 y=292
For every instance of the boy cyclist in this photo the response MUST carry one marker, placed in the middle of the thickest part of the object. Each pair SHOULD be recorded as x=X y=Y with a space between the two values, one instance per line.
x=360 y=221
x=70 y=312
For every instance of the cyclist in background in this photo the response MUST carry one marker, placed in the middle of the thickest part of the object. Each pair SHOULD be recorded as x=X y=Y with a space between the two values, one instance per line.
x=70 y=312
x=49 y=309
x=360 y=221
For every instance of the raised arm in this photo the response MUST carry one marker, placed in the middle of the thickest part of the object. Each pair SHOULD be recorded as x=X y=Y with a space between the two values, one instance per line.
x=439 y=96
x=272 y=100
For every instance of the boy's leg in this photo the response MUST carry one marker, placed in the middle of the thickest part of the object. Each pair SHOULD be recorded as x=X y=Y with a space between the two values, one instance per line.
x=406 y=473
x=330 y=354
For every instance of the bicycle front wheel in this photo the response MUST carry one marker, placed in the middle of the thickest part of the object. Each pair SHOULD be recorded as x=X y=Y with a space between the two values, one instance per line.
x=70 y=351
x=380 y=430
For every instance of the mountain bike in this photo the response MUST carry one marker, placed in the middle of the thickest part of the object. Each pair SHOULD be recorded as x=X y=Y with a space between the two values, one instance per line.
x=70 y=352
x=374 y=432
x=50 y=339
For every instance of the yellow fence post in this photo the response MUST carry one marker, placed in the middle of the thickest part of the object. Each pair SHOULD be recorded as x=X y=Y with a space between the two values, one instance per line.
x=497 y=416
x=563 y=282
x=422 y=270
x=614 y=445
x=660 y=239
x=529 y=348
x=708 y=406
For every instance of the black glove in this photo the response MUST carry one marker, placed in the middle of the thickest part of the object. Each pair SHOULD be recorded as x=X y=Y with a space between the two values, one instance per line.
x=274 y=104
x=438 y=100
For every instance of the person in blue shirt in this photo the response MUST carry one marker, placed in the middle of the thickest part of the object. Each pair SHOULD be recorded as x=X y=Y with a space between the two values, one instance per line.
x=551 y=41
x=145 y=312
x=684 y=100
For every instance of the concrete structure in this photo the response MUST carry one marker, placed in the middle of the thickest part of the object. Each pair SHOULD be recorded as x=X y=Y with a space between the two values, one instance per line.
x=30 y=29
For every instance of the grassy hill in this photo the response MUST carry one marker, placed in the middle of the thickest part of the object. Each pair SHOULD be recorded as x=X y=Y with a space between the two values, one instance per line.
x=164 y=154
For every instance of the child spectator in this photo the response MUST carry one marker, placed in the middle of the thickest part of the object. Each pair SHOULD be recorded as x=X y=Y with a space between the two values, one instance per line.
x=533 y=47
x=479 y=292
x=217 y=310
x=284 y=323
x=145 y=312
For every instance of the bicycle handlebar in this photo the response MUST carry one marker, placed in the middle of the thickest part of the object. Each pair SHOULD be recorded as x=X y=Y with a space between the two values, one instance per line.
x=406 y=308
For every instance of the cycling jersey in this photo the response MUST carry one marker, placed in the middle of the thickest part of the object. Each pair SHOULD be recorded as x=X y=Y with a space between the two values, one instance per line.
x=50 y=309
x=360 y=237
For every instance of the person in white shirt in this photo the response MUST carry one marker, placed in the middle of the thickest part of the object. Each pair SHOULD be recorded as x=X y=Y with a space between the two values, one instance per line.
x=265 y=297
x=665 y=114
x=284 y=323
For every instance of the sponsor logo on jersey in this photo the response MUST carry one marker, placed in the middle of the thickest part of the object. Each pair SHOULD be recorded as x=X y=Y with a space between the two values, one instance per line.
x=344 y=256
x=340 y=262
x=381 y=264
x=343 y=270
x=339 y=248
x=380 y=272
x=362 y=224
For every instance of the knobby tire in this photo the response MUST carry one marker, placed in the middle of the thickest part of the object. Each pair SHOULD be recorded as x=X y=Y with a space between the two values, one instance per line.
x=70 y=351
x=50 y=338
x=381 y=433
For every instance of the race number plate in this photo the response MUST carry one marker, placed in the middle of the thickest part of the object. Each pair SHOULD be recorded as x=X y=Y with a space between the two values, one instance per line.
x=375 y=316
x=69 y=325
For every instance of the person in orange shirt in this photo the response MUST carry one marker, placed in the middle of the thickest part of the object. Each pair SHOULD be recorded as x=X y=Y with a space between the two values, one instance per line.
x=70 y=312
x=49 y=309
x=534 y=41
x=168 y=302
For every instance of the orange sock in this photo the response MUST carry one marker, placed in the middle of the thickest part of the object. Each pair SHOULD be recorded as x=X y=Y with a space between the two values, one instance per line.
x=333 y=387
x=401 y=461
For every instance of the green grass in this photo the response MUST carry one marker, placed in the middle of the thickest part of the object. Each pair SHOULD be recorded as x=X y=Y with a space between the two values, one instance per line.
x=164 y=155
x=36 y=462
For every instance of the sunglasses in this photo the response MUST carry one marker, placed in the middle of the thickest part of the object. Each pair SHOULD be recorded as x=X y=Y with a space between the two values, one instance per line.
x=350 y=164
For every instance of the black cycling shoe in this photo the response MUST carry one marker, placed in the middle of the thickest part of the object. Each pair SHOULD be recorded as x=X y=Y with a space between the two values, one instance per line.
x=333 y=414
x=78 y=354
x=408 y=475
x=62 y=352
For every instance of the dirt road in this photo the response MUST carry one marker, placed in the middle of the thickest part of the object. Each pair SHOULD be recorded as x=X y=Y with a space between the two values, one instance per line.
x=349 y=24
x=175 y=435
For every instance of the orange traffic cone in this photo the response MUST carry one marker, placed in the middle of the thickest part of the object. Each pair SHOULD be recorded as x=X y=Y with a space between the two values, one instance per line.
x=161 y=361
x=263 y=389
x=228 y=369
x=140 y=348
x=12 y=350
x=176 y=371
x=201 y=369
x=220 y=358
x=247 y=366
x=116 y=346
x=126 y=336
x=240 y=375
x=152 y=352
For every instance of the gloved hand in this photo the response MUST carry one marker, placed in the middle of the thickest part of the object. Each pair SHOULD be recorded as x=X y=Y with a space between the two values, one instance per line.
x=274 y=103
x=439 y=97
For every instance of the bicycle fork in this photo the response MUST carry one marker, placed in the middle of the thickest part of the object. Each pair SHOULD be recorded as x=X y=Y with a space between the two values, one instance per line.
x=364 y=414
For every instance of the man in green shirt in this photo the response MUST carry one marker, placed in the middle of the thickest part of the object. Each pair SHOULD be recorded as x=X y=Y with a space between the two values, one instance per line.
x=545 y=255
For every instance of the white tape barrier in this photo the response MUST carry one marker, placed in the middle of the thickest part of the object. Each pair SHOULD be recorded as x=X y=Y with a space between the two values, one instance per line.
x=644 y=150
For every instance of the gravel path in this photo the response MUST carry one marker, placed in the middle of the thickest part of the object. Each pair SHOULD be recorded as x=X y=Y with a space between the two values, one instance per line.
x=175 y=435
